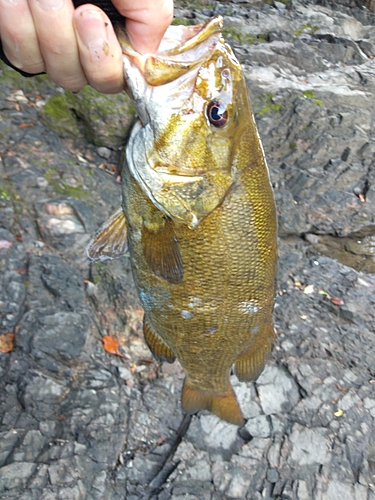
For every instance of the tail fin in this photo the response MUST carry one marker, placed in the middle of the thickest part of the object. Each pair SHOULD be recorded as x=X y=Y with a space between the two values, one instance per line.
x=224 y=405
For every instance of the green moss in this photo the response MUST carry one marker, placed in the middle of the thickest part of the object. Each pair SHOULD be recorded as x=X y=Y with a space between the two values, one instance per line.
x=66 y=190
x=180 y=21
x=263 y=38
x=96 y=279
x=232 y=32
x=89 y=171
x=106 y=119
x=199 y=4
x=309 y=94
x=57 y=116
x=268 y=106
x=306 y=26
x=5 y=194
x=12 y=79
x=292 y=145
x=50 y=174
x=237 y=35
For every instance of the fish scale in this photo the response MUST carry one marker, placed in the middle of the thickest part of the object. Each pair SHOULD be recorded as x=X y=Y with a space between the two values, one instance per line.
x=200 y=217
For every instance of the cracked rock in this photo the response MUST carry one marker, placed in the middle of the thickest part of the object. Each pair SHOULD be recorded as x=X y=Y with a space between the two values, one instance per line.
x=79 y=423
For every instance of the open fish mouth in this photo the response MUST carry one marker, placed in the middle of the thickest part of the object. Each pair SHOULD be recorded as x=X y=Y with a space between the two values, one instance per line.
x=169 y=153
x=181 y=50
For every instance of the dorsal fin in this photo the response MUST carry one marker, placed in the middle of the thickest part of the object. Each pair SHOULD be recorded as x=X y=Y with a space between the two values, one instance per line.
x=110 y=240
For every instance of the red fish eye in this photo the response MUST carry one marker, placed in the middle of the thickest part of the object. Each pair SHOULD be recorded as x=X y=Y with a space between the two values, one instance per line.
x=217 y=114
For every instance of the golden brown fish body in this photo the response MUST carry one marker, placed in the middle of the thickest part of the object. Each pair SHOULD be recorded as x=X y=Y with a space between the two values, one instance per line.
x=200 y=215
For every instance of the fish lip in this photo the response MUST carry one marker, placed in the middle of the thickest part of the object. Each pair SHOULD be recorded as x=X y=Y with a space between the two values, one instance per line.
x=157 y=68
x=212 y=26
x=200 y=33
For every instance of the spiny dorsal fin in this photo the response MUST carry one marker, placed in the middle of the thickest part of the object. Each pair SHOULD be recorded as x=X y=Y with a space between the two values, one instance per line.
x=162 y=252
x=110 y=240
x=157 y=346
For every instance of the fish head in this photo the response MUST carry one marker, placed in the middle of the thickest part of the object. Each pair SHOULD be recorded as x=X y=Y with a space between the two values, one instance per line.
x=192 y=104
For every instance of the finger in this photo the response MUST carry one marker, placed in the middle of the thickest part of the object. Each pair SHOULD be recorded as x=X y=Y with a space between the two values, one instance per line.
x=146 y=21
x=18 y=36
x=99 y=50
x=57 y=41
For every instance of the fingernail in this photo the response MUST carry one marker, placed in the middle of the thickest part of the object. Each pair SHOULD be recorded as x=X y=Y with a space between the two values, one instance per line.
x=51 y=4
x=98 y=43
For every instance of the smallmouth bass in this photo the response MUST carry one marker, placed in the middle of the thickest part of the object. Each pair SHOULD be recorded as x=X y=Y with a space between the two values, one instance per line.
x=198 y=215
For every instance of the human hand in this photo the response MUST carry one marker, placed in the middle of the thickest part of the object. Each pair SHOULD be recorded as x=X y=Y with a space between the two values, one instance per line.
x=76 y=47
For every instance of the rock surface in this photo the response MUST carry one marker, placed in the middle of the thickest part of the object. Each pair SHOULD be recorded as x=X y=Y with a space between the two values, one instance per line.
x=79 y=423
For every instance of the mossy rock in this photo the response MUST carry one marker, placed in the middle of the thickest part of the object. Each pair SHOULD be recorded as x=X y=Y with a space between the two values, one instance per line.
x=57 y=116
x=9 y=78
x=106 y=118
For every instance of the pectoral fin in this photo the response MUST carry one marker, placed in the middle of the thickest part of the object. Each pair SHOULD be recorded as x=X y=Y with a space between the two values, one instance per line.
x=224 y=405
x=162 y=252
x=250 y=365
x=110 y=240
x=157 y=346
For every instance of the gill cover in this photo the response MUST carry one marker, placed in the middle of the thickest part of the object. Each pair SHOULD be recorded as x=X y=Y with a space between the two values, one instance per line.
x=180 y=151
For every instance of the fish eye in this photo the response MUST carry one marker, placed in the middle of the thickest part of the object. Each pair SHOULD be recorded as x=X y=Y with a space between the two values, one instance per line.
x=217 y=114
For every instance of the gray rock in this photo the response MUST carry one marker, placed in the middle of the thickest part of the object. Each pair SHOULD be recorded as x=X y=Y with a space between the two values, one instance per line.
x=277 y=390
x=80 y=423
x=309 y=446
x=280 y=6
x=104 y=152
x=259 y=426
x=30 y=447
x=209 y=432
x=14 y=476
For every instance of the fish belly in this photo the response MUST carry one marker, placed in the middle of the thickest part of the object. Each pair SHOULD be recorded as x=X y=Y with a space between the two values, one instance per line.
x=221 y=310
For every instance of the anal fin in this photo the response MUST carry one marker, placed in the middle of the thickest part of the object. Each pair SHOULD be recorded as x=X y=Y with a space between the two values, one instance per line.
x=110 y=240
x=157 y=346
x=224 y=405
x=250 y=365
x=162 y=252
